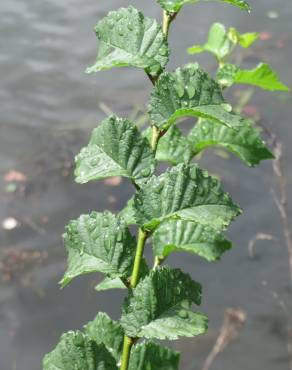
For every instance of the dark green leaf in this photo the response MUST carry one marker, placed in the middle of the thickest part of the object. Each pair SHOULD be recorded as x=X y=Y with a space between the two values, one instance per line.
x=127 y=38
x=173 y=147
x=128 y=213
x=174 y=6
x=98 y=242
x=105 y=331
x=184 y=192
x=116 y=148
x=262 y=76
x=244 y=141
x=189 y=91
x=77 y=351
x=186 y=236
x=160 y=306
x=151 y=356
x=110 y=283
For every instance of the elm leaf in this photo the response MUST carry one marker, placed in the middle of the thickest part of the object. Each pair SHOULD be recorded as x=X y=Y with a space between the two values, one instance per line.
x=189 y=91
x=99 y=242
x=184 y=192
x=127 y=38
x=116 y=148
x=244 y=141
x=186 y=236
x=77 y=350
x=160 y=306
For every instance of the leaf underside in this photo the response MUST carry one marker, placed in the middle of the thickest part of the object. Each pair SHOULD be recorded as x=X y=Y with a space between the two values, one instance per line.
x=244 y=141
x=186 y=236
x=184 y=192
x=261 y=76
x=116 y=148
x=189 y=91
x=127 y=38
x=160 y=306
x=99 y=242
x=174 y=6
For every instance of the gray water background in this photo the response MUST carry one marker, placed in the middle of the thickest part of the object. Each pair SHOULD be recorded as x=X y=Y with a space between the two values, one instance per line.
x=49 y=106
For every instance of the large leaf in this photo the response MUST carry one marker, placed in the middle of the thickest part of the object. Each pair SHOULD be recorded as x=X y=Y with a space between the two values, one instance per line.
x=184 y=192
x=98 y=242
x=77 y=351
x=262 y=76
x=172 y=147
x=127 y=38
x=244 y=141
x=116 y=148
x=151 y=356
x=187 y=236
x=160 y=306
x=174 y=6
x=189 y=91
x=105 y=331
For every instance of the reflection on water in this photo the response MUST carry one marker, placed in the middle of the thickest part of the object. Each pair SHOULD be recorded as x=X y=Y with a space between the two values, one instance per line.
x=48 y=106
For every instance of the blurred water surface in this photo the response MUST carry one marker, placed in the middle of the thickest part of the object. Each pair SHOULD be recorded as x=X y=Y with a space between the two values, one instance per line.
x=49 y=106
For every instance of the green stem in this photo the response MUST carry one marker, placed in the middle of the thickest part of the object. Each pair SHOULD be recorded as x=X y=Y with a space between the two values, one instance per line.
x=142 y=236
x=128 y=343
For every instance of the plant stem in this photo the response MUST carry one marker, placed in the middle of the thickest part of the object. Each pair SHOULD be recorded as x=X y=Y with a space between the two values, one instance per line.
x=142 y=236
x=128 y=343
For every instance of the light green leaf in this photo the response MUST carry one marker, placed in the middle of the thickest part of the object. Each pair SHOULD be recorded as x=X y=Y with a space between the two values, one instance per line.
x=185 y=236
x=245 y=40
x=160 y=306
x=187 y=193
x=116 y=148
x=218 y=43
x=173 y=6
x=99 y=242
x=262 y=76
x=189 y=91
x=127 y=38
x=244 y=141
x=78 y=351
x=128 y=213
x=172 y=147
x=103 y=330
x=151 y=356
x=110 y=283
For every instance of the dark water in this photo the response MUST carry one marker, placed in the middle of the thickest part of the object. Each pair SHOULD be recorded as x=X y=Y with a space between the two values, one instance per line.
x=48 y=106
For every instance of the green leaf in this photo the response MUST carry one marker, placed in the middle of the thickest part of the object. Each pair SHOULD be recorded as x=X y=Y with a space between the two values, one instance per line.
x=218 y=43
x=185 y=236
x=187 y=193
x=245 y=40
x=128 y=213
x=127 y=38
x=78 y=351
x=151 y=356
x=110 y=283
x=262 y=76
x=172 y=147
x=116 y=148
x=103 y=330
x=189 y=91
x=244 y=141
x=160 y=306
x=173 y=6
x=99 y=242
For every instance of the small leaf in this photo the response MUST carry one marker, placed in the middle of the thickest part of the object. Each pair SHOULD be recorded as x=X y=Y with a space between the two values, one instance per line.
x=245 y=40
x=99 y=242
x=103 y=330
x=187 y=193
x=173 y=6
x=160 y=306
x=244 y=141
x=262 y=76
x=116 y=148
x=151 y=356
x=110 y=283
x=128 y=213
x=189 y=91
x=173 y=147
x=218 y=43
x=78 y=351
x=185 y=236
x=127 y=38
